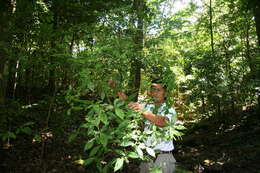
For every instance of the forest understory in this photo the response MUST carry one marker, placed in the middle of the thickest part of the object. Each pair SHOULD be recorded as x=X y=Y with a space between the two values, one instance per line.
x=231 y=146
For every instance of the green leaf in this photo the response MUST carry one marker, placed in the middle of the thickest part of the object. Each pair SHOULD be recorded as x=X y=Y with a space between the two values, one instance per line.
x=120 y=152
x=86 y=125
x=140 y=152
x=99 y=166
x=110 y=107
x=150 y=151
x=29 y=124
x=77 y=108
x=103 y=95
x=87 y=102
x=156 y=170
x=116 y=101
x=89 y=161
x=120 y=103
x=97 y=109
x=119 y=164
x=89 y=144
x=72 y=137
x=120 y=113
x=11 y=135
x=133 y=155
x=95 y=122
x=103 y=118
x=91 y=86
x=69 y=112
x=105 y=168
x=126 y=143
x=177 y=133
x=26 y=130
x=180 y=127
x=37 y=138
x=94 y=151
x=103 y=139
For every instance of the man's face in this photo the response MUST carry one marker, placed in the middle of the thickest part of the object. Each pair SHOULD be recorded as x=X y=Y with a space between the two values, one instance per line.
x=157 y=92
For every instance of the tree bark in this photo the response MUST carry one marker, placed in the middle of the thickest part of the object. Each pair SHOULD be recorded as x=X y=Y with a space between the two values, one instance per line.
x=3 y=76
x=135 y=78
x=51 y=85
x=211 y=27
x=257 y=20
x=6 y=10
x=11 y=78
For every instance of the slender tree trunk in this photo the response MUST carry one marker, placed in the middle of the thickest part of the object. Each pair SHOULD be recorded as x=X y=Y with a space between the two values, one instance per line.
x=6 y=10
x=11 y=78
x=3 y=77
x=219 y=107
x=211 y=27
x=15 y=77
x=203 y=103
x=138 y=6
x=257 y=20
x=52 y=67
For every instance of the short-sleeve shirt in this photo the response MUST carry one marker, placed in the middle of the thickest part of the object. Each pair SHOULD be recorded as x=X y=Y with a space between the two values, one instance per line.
x=164 y=111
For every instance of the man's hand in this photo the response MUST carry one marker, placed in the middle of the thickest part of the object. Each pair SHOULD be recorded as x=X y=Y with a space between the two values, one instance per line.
x=135 y=106
x=121 y=95
x=111 y=83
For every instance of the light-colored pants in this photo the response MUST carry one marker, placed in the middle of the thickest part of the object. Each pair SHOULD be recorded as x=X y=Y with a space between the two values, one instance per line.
x=165 y=161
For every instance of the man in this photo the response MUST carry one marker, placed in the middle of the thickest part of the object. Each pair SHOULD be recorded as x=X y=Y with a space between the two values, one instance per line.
x=159 y=114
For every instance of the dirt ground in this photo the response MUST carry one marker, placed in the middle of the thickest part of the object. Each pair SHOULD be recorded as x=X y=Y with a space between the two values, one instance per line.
x=231 y=148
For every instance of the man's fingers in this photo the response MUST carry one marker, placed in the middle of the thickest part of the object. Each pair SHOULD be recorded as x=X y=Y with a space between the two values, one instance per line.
x=135 y=106
x=111 y=83
x=131 y=104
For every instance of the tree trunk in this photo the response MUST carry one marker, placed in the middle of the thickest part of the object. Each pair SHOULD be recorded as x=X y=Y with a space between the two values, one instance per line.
x=257 y=20
x=211 y=27
x=203 y=103
x=6 y=10
x=51 y=84
x=219 y=107
x=11 y=78
x=138 y=6
x=3 y=77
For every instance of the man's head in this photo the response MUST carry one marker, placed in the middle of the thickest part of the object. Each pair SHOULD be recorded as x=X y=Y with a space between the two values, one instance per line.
x=157 y=92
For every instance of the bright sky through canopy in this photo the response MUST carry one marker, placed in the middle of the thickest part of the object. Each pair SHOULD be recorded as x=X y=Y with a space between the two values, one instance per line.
x=173 y=6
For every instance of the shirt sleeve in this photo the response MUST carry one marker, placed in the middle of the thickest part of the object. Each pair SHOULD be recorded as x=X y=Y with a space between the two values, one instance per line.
x=171 y=114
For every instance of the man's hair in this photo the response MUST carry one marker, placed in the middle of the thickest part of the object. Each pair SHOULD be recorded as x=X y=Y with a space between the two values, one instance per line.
x=159 y=81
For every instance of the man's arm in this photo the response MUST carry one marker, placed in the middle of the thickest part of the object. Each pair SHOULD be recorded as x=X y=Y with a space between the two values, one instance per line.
x=156 y=119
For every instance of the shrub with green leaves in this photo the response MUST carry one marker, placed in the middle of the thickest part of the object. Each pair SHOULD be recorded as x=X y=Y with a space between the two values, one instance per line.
x=12 y=123
x=115 y=134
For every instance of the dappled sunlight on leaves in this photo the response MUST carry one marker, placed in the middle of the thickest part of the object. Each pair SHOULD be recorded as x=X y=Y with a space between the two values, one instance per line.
x=30 y=106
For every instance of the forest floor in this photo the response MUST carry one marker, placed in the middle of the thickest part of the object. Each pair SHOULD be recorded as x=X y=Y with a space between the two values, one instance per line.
x=229 y=147
x=208 y=146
